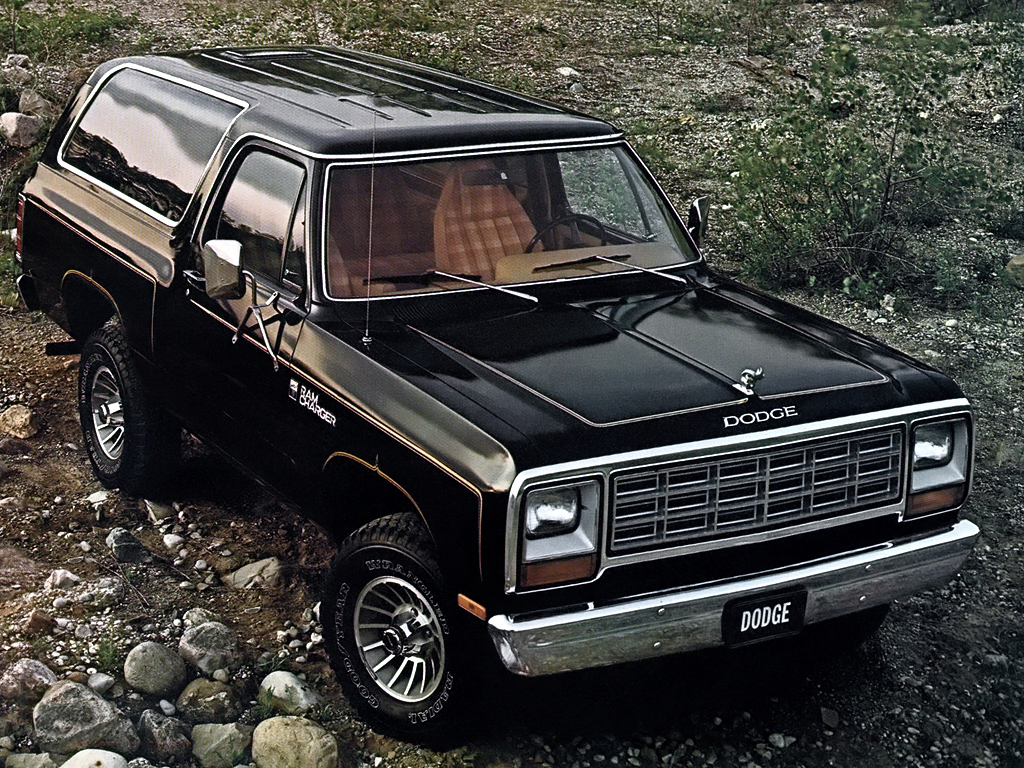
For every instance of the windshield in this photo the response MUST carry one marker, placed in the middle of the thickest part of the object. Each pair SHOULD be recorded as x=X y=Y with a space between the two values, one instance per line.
x=499 y=219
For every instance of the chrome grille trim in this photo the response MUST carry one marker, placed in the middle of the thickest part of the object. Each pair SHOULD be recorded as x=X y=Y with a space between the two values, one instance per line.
x=735 y=494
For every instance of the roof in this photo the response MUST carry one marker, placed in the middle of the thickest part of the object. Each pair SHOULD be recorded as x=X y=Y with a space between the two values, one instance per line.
x=341 y=102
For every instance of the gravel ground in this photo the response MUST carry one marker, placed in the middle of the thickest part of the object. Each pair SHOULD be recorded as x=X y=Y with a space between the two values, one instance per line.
x=941 y=684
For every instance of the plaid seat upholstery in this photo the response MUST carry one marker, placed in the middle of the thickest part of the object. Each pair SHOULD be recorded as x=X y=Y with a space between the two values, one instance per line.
x=477 y=224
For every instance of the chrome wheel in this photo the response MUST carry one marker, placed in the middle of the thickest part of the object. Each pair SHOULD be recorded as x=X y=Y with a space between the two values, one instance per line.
x=107 y=412
x=399 y=638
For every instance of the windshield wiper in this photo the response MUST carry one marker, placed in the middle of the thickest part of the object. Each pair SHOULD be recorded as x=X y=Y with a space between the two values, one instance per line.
x=582 y=260
x=616 y=259
x=433 y=275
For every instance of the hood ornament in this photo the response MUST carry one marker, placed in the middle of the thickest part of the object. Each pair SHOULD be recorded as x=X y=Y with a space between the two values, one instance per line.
x=748 y=380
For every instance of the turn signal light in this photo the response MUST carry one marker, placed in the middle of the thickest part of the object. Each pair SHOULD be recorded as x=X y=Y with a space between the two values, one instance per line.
x=559 y=571
x=933 y=501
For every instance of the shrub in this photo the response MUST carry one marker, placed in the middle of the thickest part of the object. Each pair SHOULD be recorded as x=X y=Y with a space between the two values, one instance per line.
x=831 y=187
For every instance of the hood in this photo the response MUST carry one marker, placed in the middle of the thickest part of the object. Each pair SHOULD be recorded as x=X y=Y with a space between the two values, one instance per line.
x=646 y=357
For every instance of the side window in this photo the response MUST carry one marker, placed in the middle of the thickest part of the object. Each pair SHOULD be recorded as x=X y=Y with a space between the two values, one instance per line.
x=593 y=186
x=149 y=139
x=263 y=208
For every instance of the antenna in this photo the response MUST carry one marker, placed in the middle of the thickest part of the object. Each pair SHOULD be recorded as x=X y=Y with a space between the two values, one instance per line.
x=367 y=339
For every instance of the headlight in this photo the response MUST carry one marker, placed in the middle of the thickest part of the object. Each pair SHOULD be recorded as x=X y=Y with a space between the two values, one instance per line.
x=933 y=445
x=560 y=525
x=941 y=457
x=552 y=512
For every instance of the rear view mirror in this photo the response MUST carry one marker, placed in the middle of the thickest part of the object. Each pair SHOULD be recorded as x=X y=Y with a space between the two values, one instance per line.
x=222 y=265
x=697 y=222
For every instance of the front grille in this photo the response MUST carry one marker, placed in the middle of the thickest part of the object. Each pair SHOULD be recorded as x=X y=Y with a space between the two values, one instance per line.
x=737 y=494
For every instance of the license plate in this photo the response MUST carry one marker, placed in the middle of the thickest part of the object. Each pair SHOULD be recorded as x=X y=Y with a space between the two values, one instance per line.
x=749 y=620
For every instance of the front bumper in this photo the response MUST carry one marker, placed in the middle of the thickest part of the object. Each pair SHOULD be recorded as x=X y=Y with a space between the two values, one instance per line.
x=691 y=618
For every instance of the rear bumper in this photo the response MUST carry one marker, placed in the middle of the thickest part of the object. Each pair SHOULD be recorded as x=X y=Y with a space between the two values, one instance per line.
x=690 y=619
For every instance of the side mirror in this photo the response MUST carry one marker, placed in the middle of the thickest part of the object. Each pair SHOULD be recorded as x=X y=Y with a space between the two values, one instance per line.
x=697 y=221
x=222 y=265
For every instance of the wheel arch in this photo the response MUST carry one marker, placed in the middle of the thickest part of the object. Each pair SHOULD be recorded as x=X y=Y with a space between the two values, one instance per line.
x=371 y=492
x=88 y=305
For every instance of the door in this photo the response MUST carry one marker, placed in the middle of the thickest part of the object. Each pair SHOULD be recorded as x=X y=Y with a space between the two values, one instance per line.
x=232 y=355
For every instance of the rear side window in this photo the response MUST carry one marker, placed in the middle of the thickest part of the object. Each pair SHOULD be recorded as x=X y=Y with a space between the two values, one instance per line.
x=149 y=139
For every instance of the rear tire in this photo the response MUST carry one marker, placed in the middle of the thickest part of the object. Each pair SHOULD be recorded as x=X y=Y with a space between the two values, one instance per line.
x=389 y=627
x=131 y=442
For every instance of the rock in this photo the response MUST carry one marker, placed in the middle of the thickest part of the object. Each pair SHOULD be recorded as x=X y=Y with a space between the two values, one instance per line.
x=288 y=741
x=158 y=512
x=31 y=103
x=221 y=746
x=126 y=548
x=100 y=682
x=70 y=717
x=18 y=420
x=288 y=694
x=60 y=579
x=4 y=470
x=210 y=646
x=155 y=669
x=567 y=72
x=95 y=758
x=167 y=708
x=13 y=446
x=22 y=131
x=207 y=701
x=31 y=760
x=830 y=718
x=13 y=504
x=164 y=739
x=172 y=541
x=17 y=60
x=263 y=573
x=39 y=623
x=25 y=681
x=1015 y=268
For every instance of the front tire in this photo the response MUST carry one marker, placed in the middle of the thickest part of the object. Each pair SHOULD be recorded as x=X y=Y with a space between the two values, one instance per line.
x=389 y=627
x=131 y=442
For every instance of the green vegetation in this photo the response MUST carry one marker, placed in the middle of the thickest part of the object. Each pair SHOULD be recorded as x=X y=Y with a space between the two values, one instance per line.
x=829 y=190
x=108 y=658
x=58 y=28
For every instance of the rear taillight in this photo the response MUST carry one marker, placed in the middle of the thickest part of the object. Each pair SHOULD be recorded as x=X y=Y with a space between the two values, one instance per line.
x=18 y=223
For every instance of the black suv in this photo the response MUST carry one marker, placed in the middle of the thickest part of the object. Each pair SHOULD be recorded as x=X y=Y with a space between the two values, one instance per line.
x=468 y=334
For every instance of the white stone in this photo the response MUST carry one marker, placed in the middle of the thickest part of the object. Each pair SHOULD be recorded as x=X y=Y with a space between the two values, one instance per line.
x=95 y=758
x=217 y=746
x=262 y=573
x=61 y=579
x=287 y=694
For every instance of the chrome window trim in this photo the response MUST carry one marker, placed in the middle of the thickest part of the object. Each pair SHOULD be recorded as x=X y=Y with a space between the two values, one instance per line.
x=243 y=106
x=605 y=466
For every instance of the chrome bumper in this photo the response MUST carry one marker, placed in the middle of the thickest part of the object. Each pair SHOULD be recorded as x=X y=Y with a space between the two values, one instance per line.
x=689 y=619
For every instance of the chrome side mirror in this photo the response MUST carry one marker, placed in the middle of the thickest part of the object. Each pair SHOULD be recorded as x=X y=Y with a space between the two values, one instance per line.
x=697 y=221
x=222 y=265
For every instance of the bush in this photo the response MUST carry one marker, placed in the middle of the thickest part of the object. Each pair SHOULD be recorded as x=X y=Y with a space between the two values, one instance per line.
x=830 y=190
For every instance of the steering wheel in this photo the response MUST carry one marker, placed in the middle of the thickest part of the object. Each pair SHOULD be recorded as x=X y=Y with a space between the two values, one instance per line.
x=568 y=220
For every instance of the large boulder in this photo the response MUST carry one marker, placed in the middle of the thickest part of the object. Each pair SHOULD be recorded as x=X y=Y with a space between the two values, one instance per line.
x=287 y=694
x=210 y=646
x=293 y=741
x=164 y=739
x=155 y=669
x=25 y=681
x=222 y=746
x=208 y=701
x=70 y=717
